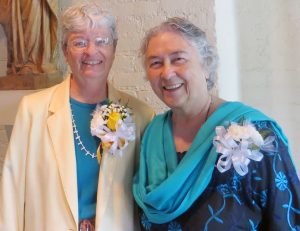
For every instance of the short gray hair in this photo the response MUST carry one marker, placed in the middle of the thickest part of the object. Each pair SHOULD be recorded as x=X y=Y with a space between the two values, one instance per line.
x=197 y=38
x=87 y=16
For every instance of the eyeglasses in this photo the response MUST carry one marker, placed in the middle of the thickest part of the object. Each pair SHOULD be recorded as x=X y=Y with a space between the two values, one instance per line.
x=80 y=44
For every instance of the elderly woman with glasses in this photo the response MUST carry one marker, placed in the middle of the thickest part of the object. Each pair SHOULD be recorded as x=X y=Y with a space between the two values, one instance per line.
x=207 y=164
x=52 y=178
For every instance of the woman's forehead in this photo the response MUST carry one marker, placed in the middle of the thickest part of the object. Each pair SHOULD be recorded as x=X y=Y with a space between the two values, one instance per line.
x=168 y=40
x=100 y=31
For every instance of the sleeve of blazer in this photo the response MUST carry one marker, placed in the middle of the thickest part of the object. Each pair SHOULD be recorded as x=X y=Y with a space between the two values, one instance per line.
x=12 y=183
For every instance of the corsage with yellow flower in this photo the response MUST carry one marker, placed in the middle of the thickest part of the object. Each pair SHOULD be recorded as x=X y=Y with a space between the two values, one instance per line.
x=113 y=124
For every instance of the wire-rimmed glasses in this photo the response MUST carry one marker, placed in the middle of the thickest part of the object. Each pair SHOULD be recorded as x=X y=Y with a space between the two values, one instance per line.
x=81 y=44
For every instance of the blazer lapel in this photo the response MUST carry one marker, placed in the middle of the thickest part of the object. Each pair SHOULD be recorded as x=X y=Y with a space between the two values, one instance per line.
x=111 y=199
x=60 y=130
x=108 y=167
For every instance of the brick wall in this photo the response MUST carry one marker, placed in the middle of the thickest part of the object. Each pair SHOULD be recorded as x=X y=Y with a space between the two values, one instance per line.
x=134 y=17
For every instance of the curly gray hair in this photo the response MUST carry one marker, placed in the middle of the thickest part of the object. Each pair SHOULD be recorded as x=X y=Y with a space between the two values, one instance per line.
x=88 y=15
x=197 y=38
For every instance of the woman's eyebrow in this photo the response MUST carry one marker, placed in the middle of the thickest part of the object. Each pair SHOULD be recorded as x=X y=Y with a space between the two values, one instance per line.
x=171 y=54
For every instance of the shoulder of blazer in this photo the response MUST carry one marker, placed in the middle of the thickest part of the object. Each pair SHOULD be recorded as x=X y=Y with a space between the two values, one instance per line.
x=138 y=107
x=42 y=99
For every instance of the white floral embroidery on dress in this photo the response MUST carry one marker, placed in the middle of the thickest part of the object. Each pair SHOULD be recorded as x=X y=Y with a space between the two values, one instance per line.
x=239 y=144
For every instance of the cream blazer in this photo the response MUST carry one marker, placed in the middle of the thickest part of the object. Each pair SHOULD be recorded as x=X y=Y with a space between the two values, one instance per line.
x=38 y=189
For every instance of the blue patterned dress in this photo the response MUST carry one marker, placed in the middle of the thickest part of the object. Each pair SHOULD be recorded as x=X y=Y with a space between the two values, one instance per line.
x=266 y=198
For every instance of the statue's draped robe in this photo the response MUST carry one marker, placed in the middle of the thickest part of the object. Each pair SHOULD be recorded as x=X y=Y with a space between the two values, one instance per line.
x=32 y=35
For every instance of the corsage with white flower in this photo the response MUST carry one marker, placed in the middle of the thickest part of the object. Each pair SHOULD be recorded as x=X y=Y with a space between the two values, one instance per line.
x=113 y=124
x=238 y=144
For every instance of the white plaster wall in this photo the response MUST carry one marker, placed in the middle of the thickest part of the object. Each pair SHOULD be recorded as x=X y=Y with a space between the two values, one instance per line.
x=226 y=33
x=265 y=54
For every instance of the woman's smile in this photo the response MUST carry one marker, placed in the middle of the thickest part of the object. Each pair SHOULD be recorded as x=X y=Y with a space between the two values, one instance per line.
x=92 y=62
x=172 y=87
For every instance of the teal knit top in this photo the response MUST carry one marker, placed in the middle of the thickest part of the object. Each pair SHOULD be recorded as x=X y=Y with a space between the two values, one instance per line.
x=87 y=166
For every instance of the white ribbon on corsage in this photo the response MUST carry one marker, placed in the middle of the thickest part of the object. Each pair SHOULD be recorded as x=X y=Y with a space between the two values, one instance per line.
x=238 y=145
x=113 y=124
x=120 y=138
x=117 y=140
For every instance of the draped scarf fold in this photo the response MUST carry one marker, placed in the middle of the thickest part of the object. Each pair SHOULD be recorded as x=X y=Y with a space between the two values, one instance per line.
x=164 y=188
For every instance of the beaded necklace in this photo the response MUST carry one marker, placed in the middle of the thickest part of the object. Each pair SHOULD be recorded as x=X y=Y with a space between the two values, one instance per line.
x=78 y=139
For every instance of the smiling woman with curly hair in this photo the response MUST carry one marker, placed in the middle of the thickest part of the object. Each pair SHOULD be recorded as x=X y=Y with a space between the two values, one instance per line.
x=208 y=164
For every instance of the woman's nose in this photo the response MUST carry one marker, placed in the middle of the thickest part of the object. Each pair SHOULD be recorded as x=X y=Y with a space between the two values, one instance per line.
x=167 y=71
x=91 y=48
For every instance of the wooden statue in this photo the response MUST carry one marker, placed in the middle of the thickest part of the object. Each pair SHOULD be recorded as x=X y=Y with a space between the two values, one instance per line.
x=31 y=30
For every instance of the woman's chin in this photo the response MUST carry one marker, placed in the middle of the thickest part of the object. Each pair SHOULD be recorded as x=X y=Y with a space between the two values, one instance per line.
x=172 y=104
x=92 y=75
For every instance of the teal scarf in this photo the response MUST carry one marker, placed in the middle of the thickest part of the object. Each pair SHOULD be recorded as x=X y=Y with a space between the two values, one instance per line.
x=164 y=188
